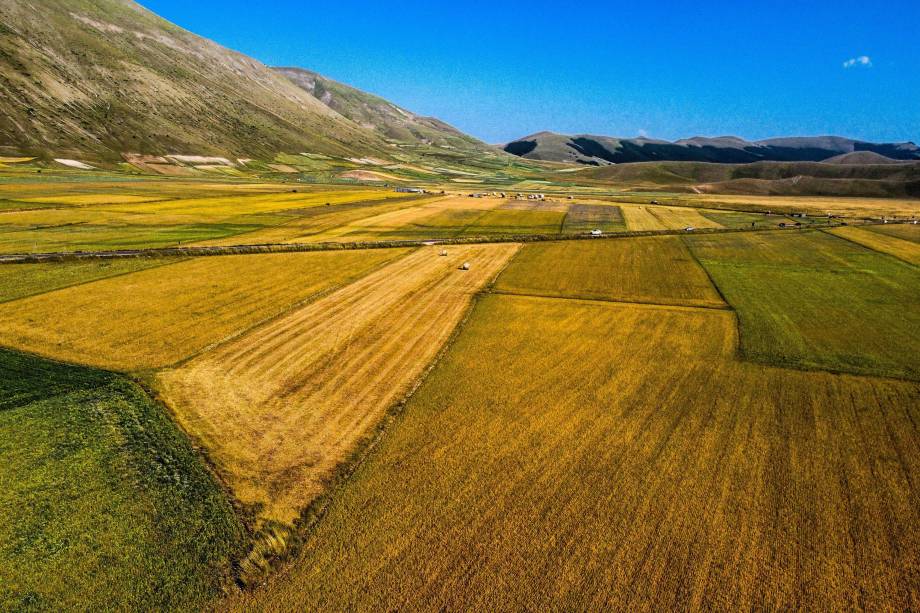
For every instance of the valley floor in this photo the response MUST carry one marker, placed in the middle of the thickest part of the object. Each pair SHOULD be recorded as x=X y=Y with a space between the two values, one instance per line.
x=695 y=421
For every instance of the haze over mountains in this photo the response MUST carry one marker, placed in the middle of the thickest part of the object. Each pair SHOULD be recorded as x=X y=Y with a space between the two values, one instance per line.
x=603 y=150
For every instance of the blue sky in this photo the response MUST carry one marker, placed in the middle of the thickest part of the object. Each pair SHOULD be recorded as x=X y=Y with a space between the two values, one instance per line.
x=669 y=69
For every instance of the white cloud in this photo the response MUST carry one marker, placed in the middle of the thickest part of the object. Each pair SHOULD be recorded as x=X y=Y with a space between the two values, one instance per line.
x=862 y=61
x=643 y=134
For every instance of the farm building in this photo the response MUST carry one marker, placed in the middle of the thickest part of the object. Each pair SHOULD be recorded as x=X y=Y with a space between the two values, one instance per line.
x=410 y=190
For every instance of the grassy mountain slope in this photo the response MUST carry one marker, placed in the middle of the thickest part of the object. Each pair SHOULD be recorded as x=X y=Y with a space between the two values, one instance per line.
x=375 y=113
x=101 y=77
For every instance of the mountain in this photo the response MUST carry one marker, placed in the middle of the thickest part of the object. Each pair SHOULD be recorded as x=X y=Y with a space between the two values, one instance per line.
x=861 y=157
x=602 y=150
x=99 y=78
x=897 y=179
x=374 y=113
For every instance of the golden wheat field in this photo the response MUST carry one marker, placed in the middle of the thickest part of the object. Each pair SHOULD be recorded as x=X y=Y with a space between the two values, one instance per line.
x=280 y=407
x=593 y=456
x=654 y=270
x=156 y=317
x=900 y=248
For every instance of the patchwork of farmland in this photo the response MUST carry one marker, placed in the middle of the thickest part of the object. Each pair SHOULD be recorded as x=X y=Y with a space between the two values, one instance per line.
x=618 y=457
x=122 y=221
x=703 y=421
x=279 y=408
x=157 y=317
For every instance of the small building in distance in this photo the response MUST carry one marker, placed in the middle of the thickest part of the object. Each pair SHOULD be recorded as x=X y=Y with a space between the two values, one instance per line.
x=410 y=190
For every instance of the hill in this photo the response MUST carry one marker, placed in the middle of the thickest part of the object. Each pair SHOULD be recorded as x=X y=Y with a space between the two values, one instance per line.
x=103 y=77
x=602 y=150
x=375 y=113
x=767 y=178
x=861 y=157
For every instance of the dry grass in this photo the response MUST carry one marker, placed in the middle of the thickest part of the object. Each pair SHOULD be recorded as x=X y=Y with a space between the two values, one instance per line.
x=905 y=250
x=654 y=270
x=279 y=408
x=157 y=317
x=587 y=456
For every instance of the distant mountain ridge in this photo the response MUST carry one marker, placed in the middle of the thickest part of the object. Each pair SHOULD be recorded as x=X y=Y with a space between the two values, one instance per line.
x=603 y=150
x=375 y=113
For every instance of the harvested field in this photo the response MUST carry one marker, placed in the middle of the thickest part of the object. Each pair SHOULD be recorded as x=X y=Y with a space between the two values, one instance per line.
x=157 y=317
x=813 y=300
x=900 y=248
x=279 y=408
x=621 y=459
x=653 y=270
x=588 y=217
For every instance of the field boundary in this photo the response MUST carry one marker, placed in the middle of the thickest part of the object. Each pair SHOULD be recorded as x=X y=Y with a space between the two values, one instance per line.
x=61 y=256
x=872 y=249
x=632 y=303
x=275 y=545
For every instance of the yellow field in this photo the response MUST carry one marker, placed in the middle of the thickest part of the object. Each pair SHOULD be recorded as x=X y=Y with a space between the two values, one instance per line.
x=588 y=456
x=902 y=249
x=157 y=317
x=323 y=224
x=640 y=218
x=654 y=217
x=654 y=270
x=92 y=199
x=116 y=221
x=678 y=218
x=815 y=205
x=279 y=408
x=377 y=226
x=908 y=232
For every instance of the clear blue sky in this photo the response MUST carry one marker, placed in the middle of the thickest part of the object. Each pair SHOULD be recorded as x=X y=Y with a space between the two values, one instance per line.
x=671 y=69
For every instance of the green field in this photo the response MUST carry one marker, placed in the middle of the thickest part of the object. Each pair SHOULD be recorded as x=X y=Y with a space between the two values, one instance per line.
x=651 y=270
x=21 y=281
x=105 y=506
x=813 y=300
